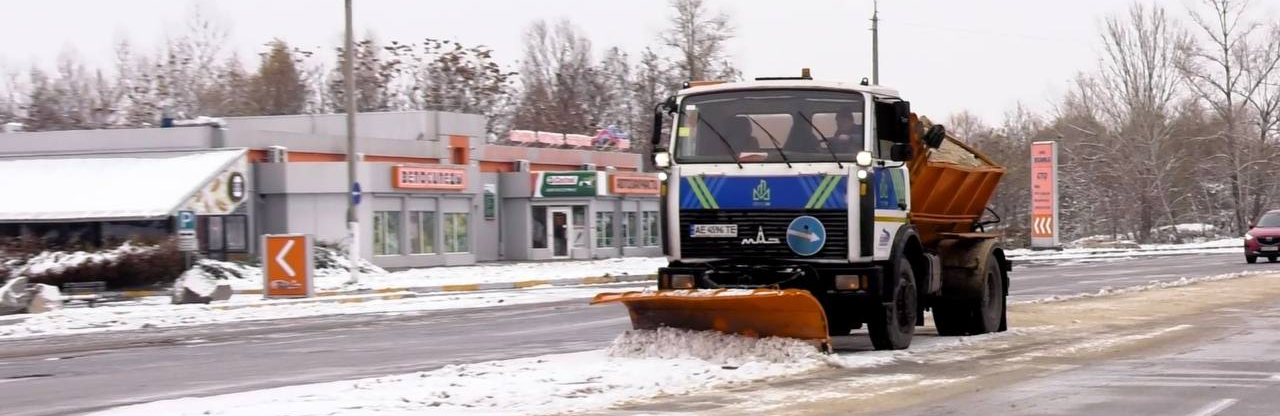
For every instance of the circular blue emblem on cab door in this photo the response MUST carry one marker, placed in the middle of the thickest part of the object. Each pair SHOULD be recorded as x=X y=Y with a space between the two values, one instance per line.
x=806 y=235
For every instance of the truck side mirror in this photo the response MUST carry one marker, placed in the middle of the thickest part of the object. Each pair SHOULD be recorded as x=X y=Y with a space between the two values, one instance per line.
x=892 y=121
x=900 y=152
x=663 y=108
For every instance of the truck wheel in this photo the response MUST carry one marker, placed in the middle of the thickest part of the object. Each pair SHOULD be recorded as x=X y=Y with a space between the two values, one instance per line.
x=1250 y=259
x=955 y=317
x=991 y=305
x=1273 y=259
x=893 y=325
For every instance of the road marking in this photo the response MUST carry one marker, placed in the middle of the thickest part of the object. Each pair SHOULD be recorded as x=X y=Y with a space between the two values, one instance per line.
x=288 y=245
x=1214 y=408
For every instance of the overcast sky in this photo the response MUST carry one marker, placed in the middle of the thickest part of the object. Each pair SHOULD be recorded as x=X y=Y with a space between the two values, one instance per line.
x=943 y=55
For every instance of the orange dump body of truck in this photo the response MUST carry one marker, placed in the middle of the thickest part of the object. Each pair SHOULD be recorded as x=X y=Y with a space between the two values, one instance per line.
x=950 y=185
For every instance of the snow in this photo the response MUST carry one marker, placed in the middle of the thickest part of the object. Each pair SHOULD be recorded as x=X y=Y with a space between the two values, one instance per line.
x=57 y=261
x=157 y=312
x=135 y=186
x=1221 y=246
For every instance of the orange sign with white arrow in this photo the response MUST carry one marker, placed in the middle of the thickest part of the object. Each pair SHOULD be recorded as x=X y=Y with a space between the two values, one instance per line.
x=287 y=266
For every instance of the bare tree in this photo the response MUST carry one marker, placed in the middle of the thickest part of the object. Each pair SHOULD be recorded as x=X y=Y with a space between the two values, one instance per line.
x=558 y=77
x=1228 y=66
x=699 y=37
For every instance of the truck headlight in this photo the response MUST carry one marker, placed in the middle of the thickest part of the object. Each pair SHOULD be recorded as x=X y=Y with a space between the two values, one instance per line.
x=662 y=160
x=863 y=158
x=862 y=175
x=1248 y=236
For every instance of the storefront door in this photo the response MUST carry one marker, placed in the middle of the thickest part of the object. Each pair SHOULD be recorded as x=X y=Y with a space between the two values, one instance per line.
x=561 y=223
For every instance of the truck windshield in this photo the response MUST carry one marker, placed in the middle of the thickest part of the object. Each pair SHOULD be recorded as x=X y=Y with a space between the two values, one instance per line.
x=747 y=119
x=1271 y=219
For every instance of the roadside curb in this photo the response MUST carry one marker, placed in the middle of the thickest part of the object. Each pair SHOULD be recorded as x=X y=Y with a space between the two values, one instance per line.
x=472 y=287
x=367 y=295
x=326 y=299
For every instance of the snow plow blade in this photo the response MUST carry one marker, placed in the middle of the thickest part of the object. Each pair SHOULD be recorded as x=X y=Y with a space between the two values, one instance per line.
x=790 y=313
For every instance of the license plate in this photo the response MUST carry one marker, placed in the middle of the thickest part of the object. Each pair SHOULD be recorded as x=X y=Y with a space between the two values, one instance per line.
x=713 y=230
x=1270 y=249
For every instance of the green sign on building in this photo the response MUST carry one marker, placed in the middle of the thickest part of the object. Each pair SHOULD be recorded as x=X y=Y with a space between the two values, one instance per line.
x=562 y=184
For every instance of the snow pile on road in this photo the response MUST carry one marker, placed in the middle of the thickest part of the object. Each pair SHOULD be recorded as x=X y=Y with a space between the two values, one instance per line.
x=732 y=350
x=1152 y=285
x=1221 y=246
x=550 y=384
x=59 y=261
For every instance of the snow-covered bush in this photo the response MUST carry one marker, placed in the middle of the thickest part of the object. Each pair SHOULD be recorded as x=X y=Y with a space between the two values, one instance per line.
x=125 y=266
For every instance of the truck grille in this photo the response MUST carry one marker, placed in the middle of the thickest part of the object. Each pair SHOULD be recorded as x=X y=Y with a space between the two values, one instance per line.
x=1269 y=240
x=774 y=224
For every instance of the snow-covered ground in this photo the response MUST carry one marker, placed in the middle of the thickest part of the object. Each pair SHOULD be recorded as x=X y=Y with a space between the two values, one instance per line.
x=158 y=313
x=639 y=365
x=1223 y=246
x=333 y=279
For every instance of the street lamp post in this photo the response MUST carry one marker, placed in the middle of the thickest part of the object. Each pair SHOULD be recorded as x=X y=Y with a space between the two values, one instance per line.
x=349 y=87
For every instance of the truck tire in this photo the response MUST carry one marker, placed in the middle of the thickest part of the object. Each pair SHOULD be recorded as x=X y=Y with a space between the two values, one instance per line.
x=894 y=324
x=986 y=314
x=1250 y=259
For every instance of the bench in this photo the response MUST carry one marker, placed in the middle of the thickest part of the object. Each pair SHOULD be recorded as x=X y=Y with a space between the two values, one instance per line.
x=90 y=292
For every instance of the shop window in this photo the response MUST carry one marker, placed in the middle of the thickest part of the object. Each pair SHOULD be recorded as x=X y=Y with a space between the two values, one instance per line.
x=455 y=232
x=386 y=233
x=604 y=229
x=539 y=229
x=422 y=232
x=650 y=233
x=630 y=231
x=223 y=233
x=580 y=226
x=237 y=229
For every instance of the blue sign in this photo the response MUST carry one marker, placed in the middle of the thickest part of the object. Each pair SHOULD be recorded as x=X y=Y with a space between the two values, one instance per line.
x=186 y=221
x=806 y=235
x=355 y=193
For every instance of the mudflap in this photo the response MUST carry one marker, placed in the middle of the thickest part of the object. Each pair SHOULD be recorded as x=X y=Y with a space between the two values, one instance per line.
x=790 y=313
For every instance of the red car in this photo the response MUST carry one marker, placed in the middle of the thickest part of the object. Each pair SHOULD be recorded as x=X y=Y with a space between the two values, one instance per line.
x=1263 y=238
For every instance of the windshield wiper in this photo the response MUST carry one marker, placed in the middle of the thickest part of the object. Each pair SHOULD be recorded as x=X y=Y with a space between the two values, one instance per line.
x=824 y=140
x=776 y=145
x=733 y=153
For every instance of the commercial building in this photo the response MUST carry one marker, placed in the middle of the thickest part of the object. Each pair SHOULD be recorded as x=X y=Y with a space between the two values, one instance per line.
x=432 y=191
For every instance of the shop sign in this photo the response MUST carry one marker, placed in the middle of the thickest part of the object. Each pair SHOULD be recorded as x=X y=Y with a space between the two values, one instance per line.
x=223 y=194
x=287 y=266
x=412 y=177
x=634 y=185
x=565 y=184
x=1044 y=194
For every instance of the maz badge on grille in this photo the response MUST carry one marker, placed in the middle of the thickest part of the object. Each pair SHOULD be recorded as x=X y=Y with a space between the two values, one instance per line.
x=760 y=239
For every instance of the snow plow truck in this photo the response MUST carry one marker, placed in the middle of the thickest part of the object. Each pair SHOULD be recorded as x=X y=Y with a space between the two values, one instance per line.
x=800 y=208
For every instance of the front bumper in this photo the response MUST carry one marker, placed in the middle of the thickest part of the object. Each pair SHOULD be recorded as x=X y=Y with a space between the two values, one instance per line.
x=819 y=279
x=1255 y=248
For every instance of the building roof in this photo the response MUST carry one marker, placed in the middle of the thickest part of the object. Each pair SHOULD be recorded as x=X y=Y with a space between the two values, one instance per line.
x=105 y=186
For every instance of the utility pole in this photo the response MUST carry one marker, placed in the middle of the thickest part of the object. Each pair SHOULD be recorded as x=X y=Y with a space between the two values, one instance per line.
x=349 y=87
x=875 y=42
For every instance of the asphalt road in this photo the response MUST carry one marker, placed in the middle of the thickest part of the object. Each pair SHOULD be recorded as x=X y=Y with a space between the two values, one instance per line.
x=1232 y=370
x=74 y=374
